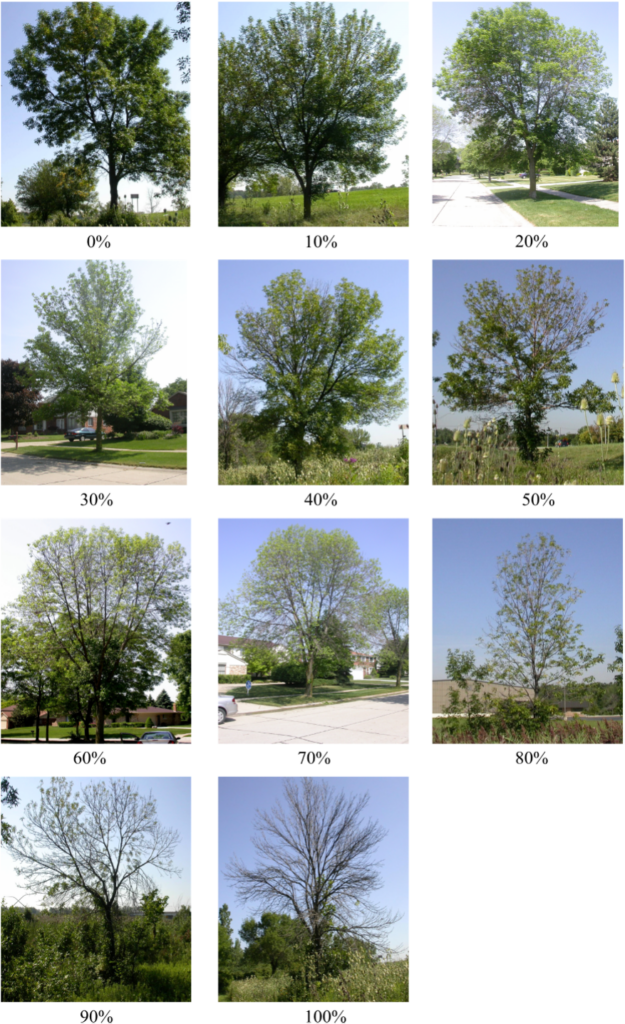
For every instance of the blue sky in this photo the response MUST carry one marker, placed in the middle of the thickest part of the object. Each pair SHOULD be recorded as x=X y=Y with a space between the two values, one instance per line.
x=599 y=279
x=449 y=19
x=173 y=805
x=241 y=285
x=384 y=539
x=19 y=149
x=17 y=534
x=160 y=286
x=465 y=553
x=240 y=798
x=393 y=17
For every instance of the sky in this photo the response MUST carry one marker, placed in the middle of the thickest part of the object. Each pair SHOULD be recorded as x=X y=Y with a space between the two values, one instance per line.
x=241 y=285
x=240 y=798
x=19 y=149
x=449 y=19
x=393 y=17
x=599 y=279
x=465 y=553
x=384 y=539
x=160 y=286
x=17 y=534
x=173 y=805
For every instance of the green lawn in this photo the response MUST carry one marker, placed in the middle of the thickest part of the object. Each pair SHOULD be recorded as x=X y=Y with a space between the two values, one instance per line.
x=282 y=695
x=173 y=443
x=592 y=189
x=358 y=209
x=545 y=179
x=547 y=211
x=71 y=453
x=577 y=464
x=129 y=732
x=25 y=439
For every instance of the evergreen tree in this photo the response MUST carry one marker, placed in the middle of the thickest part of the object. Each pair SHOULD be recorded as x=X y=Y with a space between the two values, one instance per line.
x=603 y=140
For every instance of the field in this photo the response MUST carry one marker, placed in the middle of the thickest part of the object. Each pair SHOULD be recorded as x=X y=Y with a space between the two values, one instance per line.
x=172 y=219
x=364 y=208
x=128 y=733
x=573 y=730
x=547 y=211
x=361 y=982
x=80 y=452
x=577 y=464
x=325 y=691
x=376 y=466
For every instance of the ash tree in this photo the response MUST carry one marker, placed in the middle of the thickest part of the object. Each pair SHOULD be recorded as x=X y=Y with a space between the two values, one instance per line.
x=20 y=399
x=387 y=625
x=535 y=643
x=321 y=92
x=103 y=601
x=519 y=72
x=91 y=349
x=177 y=665
x=315 y=862
x=240 y=149
x=603 y=140
x=10 y=798
x=91 y=78
x=31 y=675
x=300 y=582
x=316 y=363
x=515 y=352
x=97 y=844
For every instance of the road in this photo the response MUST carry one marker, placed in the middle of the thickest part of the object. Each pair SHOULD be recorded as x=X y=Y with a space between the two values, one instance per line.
x=462 y=202
x=24 y=470
x=373 y=720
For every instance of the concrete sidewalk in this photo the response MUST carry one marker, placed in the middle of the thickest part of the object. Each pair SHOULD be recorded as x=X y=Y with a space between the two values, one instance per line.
x=459 y=202
x=24 y=470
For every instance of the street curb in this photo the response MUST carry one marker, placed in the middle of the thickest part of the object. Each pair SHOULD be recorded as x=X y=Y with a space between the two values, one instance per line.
x=319 y=704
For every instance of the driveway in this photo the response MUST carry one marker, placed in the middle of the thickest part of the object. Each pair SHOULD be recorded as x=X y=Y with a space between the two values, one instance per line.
x=24 y=470
x=462 y=202
x=374 y=720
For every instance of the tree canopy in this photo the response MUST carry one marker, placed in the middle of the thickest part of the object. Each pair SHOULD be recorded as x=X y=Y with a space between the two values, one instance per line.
x=91 y=349
x=91 y=78
x=515 y=351
x=20 y=400
x=603 y=140
x=387 y=624
x=178 y=667
x=299 y=582
x=319 y=93
x=66 y=184
x=320 y=363
x=518 y=71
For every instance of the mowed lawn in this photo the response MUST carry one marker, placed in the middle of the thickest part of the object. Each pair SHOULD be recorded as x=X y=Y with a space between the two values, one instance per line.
x=592 y=189
x=358 y=209
x=577 y=464
x=547 y=211
x=63 y=732
x=282 y=695
x=72 y=453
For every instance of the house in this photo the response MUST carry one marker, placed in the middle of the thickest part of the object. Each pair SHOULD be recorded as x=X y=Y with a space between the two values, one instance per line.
x=67 y=421
x=441 y=689
x=7 y=715
x=177 y=411
x=138 y=716
x=364 y=665
x=230 y=661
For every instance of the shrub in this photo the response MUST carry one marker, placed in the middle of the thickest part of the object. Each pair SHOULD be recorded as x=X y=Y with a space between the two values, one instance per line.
x=178 y=429
x=114 y=217
x=148 y=723
x=10 y=216
x=292 y=672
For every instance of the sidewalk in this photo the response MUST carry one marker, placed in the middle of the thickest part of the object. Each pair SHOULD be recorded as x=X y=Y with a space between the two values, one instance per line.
x=24 y=470
x=462 y=203
x=605 y=204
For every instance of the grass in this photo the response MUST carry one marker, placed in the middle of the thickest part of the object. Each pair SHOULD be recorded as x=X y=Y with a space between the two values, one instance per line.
x=163 y=460
x=577 y=464
x=29 y=439
x=357 y=209
x=361 y=982
x=65 y=731
x=282 y=695
x=172 y=219
x=375 y=466
x=546 y=179
x=573 y=730
x=592 y=189
x=174 y=443
x=547 y=211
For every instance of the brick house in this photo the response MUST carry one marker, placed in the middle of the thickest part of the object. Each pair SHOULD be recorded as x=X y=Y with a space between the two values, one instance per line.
x=177 y=411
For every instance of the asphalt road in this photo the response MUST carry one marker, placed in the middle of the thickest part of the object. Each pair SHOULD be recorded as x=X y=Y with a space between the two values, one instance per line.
x=376 y=720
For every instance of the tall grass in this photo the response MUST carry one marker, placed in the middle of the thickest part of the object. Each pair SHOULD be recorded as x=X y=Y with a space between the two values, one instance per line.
x=572 y=731
x=363 y=208
x=375 y=466
x=364 y=981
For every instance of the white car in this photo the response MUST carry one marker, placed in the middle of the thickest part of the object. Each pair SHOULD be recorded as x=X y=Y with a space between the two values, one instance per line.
x=227 y=706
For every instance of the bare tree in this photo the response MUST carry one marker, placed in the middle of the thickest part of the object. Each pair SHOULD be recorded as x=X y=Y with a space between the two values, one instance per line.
x=233 y=404
x=154 y=199
x=96 y=845
x=315 y=861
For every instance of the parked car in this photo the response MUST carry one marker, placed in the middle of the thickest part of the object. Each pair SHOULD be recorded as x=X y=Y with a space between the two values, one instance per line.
x=226 y=706
x=81 y=434
x=563 y=442
x=158 y=737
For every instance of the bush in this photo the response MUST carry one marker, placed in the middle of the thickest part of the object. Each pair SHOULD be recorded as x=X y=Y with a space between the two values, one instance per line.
x=178 y=429
x=116 y=217
x=291 y=672
x=149 y=723
x=59 y=220
x=234 y=680
x=10 y=216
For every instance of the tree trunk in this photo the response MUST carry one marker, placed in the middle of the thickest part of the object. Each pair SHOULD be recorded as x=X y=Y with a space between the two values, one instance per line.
x=532 y=172
x=38 y=708
x=308 y=195
x=310 y=675
x=87 y=720
x=111 y=952
x=99 y=737
x=399 y=668
x=48 y=727
x=98 y=431
x=113 y=180
x=222 y=192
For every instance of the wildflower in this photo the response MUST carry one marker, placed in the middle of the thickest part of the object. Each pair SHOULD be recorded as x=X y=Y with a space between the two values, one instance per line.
x=583 y=404
x=609 y=420
x=600 y=419
x=538 y=478
x=467 y=424
x=442 y=465
x=615 y=378
x=457 y=435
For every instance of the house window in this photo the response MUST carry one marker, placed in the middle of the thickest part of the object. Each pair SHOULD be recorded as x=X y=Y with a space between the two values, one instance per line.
x=222 y=669
x=178 y=416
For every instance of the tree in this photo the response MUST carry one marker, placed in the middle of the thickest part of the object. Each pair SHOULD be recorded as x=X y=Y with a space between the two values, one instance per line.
x=489 y=152
x=153 y=906
x=163 y=700
x=66 y=183
x=225 y=949
x=154 y=199
x=388 y=617
x=517 y=71
x=240 y=146
x=321 y=92
x=603 y=140
x=29 y=671
x=104 y=601
x=97 y=844
x=275 y=939
x=179 y=384
x=617 y=667
x=234 y=407
x=444 y=128
x=320 y=362
x=10 y=798
x=301 y=579
x=99 y=359
x=87 y=73
x=20 y=399
x=515 y=352
x=405 y=170
x=261 y=659
x=535 y=642
x=444 y=158
x=183 y=17
x=178 y=667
